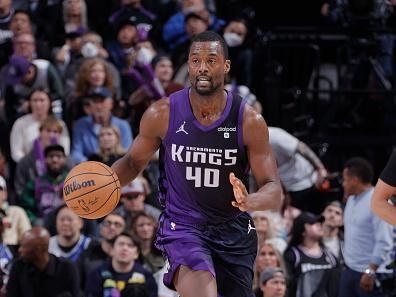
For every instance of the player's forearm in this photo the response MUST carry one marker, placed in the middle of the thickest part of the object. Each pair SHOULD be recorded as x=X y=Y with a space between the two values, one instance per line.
x=125 y=169
x=269 y=196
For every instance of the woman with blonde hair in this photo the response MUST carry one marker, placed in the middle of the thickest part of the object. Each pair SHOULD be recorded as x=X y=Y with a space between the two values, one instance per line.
x=110 y=148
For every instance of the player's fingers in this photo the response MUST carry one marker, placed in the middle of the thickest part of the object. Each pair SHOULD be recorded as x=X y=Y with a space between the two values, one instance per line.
x=232 y=178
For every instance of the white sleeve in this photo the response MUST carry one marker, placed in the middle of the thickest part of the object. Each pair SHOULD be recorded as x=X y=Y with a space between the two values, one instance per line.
x=16 y=141
x=281 y=140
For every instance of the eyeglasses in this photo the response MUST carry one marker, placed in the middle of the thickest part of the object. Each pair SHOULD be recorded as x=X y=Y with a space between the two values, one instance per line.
x=115 y=224
x=130 y=196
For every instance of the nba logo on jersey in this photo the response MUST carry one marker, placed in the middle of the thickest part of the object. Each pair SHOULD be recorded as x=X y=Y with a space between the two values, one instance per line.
x=226 y=135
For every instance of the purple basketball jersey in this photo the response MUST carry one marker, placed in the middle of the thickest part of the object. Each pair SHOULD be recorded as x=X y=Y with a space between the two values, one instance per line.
x=195 y=162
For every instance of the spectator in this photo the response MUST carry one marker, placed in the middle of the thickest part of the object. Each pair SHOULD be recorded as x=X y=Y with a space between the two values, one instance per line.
x=122 y=275
x=333 y=226
x=39 y=273
x=143 y=227
x=6 y=254
x=312 y=269
x=239 y=40
x=6 y=13
x=133 y=196
x=300 y=170
x=99 y=250
x=33 y=164
x=14 y=221
x=69 y=242
x=268 y=256
x=174 y=32
x=273 y=283
x=110 y=148
x=142 y=98
x=24 y=76
x=44 y=193
x=265 y=223
x=86 y=129
x=93 y=73
x=368 y=239
x=26 y=129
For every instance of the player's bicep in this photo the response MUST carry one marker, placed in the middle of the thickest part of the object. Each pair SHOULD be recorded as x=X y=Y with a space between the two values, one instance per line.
x=261 y=159
x=153 y=127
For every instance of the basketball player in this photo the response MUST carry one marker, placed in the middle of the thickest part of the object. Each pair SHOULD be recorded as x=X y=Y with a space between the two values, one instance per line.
x=382 y=203
x=207 y=139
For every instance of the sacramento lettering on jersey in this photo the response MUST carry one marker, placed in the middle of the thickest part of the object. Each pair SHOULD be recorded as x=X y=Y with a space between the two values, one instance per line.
x=70 y=188
x=203 y=155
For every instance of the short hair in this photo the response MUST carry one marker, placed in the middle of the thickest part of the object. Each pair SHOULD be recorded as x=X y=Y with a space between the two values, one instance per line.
x=360 y=168
x=51 y=122
x=210 y=36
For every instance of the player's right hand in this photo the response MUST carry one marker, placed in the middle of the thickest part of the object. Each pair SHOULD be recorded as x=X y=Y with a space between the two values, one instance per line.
x=240 y=193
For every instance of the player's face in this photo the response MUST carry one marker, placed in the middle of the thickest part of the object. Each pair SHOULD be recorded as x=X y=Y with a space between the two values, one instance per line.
x=124 y=250
x=68 y=224
x=111 y=226
x=275 y=287
x=267 y=257
x=145 y=228
x=333 y=216
x=207 y=67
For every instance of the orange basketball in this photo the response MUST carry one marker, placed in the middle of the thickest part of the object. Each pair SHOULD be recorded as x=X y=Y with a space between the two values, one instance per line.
x=92 y=190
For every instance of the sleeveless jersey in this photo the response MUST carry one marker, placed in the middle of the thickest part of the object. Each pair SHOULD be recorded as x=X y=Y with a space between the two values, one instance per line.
x=196 y=160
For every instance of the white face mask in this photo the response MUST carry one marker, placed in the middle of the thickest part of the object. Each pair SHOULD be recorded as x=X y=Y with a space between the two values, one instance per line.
x=232 y=39
x=89 y=50
x=144 y=56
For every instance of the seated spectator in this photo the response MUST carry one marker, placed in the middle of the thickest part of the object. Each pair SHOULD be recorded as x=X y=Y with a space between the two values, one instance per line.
x=6 y=13
x=333 y=238
x=268 y=256
x=86 y=129
x=265 y=222
x=143 y=97
x=24 y=76
x=33 y=164
x=273 y=283
x=25 y=130
x=93 y=73
x=122 y=275
x=99 y=250
x=133 y=197
x=238 y=37
x=110 y=148
x=174 y=32
x=312 y=269
x=14 y=220
x=143 y=227
x=39 y=273
x=44 y=193
x=69 y=242
x=6 y=254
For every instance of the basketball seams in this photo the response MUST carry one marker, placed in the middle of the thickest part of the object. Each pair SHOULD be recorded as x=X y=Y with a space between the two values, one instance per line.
x=92 y=173
x=103 y=166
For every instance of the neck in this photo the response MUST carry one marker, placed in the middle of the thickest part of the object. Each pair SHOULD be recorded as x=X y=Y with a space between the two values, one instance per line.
x=42 y=263
x=106 y=246
x=311 y=246
x=362 y=188
x=208 y=109
x=122 y=267
x=68 y=241
x=145 y=246
x=39 y=117
x=102 y=119
x=330 y=231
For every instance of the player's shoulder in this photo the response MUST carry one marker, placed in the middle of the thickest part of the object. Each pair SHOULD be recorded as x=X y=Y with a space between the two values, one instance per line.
x=252 y=117
x=158 y=109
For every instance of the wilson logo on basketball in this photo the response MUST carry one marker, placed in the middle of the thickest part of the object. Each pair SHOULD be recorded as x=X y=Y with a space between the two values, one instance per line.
x=75 y=186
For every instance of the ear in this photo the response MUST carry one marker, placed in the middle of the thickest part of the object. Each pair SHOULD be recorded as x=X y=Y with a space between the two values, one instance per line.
x=227 y=66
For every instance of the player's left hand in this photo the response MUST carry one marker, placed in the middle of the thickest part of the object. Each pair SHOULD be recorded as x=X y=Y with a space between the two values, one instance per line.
x=240 y=193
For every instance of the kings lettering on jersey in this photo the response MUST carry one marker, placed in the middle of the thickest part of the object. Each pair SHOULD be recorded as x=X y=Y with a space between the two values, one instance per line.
x=196 y=160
